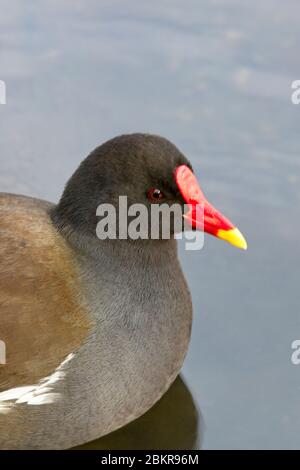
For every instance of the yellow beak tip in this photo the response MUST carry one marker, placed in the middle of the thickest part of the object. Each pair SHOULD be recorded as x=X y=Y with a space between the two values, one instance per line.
x=234 y=237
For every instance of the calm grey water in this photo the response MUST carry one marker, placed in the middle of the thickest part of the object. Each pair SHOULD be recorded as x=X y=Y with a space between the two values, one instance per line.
x=215 y=78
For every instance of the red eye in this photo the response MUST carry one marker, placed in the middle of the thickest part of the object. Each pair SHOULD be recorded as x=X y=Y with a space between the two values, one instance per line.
x=155 y=195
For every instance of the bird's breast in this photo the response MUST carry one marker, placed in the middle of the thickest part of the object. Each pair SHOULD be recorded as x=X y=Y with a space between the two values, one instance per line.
x=137 y=347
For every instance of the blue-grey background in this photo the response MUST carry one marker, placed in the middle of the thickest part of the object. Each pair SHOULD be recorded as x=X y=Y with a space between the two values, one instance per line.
x=214 y=77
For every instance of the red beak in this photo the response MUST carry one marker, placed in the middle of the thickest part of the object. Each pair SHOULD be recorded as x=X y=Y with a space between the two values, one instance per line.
x=207 y=219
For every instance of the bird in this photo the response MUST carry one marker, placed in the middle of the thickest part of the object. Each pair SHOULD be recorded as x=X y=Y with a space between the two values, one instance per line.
x=95 y=329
